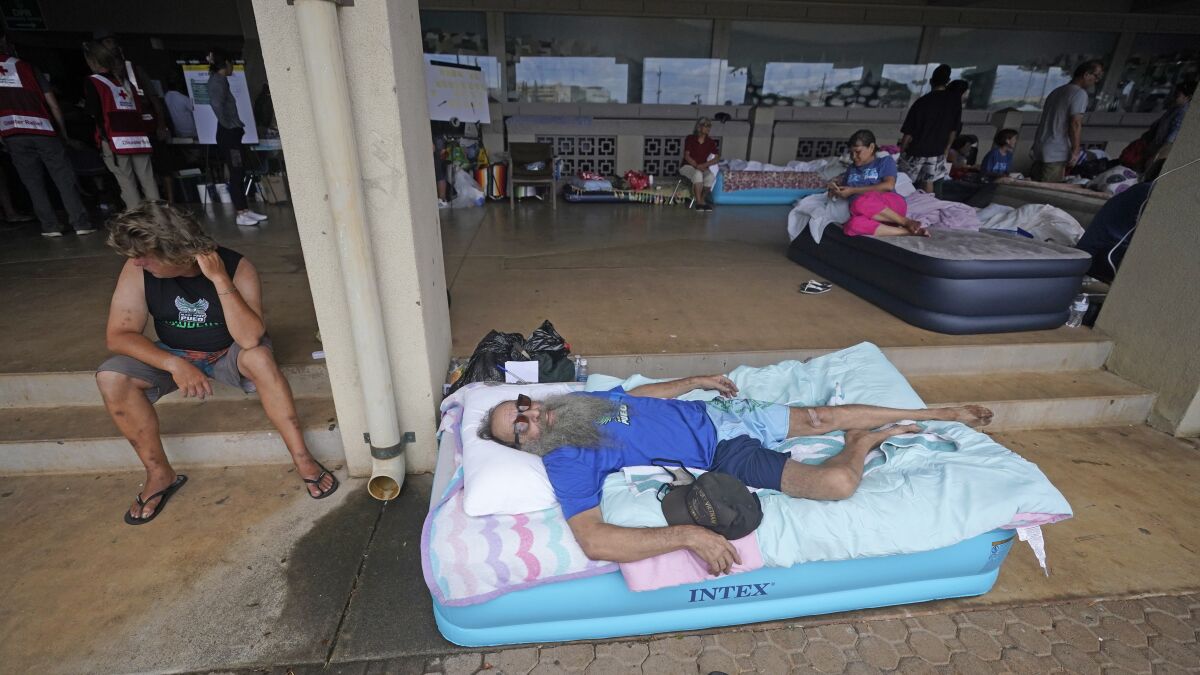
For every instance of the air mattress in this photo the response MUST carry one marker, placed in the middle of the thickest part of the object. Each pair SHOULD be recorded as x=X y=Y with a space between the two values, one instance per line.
x=758 y=196
x=602 y=606
x=956 y=282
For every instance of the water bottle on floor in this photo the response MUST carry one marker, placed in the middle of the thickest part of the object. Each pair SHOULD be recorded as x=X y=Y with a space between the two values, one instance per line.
x=581 y=369
x=1079 y=307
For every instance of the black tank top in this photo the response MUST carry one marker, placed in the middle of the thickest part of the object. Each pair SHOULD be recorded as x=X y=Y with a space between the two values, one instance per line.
x=187 y=311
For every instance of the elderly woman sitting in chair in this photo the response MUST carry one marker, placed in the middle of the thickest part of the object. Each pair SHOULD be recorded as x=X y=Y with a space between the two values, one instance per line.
x=870 y=185
x=699 y=155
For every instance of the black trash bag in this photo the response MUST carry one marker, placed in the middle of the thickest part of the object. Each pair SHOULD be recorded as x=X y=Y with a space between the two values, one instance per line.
x=493 y=350
x=544 y=345
x=551 y=352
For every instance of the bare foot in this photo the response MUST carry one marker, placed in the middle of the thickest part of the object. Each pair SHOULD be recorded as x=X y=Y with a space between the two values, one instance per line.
x=309 y=469
x=916 y=228
x=972 y=415
x=154 y=483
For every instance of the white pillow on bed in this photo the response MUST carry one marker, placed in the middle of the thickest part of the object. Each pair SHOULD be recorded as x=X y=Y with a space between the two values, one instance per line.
x=498 y=479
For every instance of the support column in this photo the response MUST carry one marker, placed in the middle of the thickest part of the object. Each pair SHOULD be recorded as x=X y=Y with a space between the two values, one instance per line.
x=929 y=36
x=496 y=47
x=385 y=72
x=1151 y=312
x=256 y=70
x=1115 y=69
x=720 y=39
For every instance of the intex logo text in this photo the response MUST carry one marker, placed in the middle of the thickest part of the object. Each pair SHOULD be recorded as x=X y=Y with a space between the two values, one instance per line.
x=727 y=592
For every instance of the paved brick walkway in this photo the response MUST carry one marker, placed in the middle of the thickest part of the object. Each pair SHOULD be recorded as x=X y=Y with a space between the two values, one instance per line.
x=1148 y=635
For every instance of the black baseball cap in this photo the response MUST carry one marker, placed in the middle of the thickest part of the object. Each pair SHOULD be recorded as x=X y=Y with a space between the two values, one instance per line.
x=717 y=501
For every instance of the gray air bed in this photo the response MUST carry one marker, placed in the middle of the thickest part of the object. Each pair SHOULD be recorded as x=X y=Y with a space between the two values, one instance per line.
x=956 y=281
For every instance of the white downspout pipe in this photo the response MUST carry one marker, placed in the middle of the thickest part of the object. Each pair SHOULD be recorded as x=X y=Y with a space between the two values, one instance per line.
x=320 y=41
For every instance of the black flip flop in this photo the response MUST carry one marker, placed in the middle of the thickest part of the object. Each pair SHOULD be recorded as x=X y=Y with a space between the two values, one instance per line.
x=317 y=481
x=165 y=493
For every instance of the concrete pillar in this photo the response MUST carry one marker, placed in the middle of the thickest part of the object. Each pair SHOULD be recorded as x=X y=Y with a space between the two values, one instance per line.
x=720 y=39
x=762 y=128
x=382 y=49
x=1114 y=69
x=929 y=36
x=496 y=47
x=1151 y=312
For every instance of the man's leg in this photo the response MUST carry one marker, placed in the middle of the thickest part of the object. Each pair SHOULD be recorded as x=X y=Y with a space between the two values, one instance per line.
x=837 y=477
x=125 y=399
x=54 y=155
x=25 y=158
x=143 y=168
x=258 y=365
x=824 y=419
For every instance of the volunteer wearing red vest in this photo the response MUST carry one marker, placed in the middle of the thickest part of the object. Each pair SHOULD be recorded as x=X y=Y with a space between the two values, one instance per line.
x=26 y=111
x=121 y=125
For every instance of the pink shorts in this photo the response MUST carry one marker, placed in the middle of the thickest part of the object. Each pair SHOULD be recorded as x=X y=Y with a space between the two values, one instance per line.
x=865 y=207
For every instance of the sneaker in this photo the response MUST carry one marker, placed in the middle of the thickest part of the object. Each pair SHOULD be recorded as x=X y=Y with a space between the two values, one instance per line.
x=443 y=204
x=246 y=220
x=52 y=234
x=84 y=231
x=255 y=215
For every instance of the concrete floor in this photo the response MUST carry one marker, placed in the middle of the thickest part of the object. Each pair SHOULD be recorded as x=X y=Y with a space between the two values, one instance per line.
x=638 y=279
x=243 y=570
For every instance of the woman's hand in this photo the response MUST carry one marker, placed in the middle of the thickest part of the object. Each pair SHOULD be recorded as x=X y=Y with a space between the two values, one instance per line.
x=212 y=267
x=841 y=191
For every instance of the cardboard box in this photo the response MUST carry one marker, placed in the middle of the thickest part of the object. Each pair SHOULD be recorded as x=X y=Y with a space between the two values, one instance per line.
x=274 y=189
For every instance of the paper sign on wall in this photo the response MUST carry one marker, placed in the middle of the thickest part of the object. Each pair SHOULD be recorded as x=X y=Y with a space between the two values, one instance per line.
x=196 y=77
x=456 y=91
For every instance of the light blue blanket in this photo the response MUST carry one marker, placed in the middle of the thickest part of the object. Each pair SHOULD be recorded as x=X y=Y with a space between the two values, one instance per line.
x=926 y=491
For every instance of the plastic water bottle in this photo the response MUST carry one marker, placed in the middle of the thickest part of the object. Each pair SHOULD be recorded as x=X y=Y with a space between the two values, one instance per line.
x=581 y=369
x=1079 y=307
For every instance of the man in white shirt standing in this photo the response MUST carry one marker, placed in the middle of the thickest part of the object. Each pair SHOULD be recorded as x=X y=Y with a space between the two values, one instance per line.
x=1058 y=139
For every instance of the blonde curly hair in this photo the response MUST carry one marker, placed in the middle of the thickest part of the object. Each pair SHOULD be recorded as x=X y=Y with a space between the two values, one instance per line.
x=157 y=229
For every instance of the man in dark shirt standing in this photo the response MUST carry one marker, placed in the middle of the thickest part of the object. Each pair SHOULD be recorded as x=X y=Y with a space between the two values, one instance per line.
x=929 y=128
x=206 y=304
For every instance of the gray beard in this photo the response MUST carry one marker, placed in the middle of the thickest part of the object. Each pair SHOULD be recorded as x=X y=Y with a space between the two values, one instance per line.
x=575 y=419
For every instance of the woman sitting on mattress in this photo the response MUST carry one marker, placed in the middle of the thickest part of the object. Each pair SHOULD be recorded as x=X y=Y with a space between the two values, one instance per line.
x=870 y=185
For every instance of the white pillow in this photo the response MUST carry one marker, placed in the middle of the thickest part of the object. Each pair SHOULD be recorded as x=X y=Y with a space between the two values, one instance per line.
x=498 y=479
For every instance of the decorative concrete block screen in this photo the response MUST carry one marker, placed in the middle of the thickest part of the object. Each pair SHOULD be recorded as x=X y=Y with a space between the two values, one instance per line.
x=816 y=148
x=662 y=155
x=584 y=153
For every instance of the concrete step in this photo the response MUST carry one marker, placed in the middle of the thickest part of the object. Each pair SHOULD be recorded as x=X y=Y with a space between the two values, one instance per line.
x=1042 y=400
x=33 y=390
x=214 y=432
x=1087 y=353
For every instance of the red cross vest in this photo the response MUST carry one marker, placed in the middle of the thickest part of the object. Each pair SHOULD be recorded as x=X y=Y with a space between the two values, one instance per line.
x=22 y=104
x=123 y=120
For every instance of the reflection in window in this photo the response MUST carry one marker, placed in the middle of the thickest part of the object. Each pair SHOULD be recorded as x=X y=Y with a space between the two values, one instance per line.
x=572 y=79
x=453 y=32
x=1155 y=65
x=692 y=81
x=822 y=64
x=1010 y=68
x=490 y=66
x=623 y=42
x=912 y=79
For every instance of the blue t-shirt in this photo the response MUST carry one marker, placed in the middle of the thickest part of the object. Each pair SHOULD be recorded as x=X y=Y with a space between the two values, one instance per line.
x=642 y=430
x=995 y=163
x=870 y=174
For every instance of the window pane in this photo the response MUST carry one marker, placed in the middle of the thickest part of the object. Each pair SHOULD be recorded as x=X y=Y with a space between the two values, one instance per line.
x=454 y=32
x=1156 y=64
x=595 y=57
x=490 y=66
x=572 y=79
x=692 y=81
x=1008 y=68
x=824 y=64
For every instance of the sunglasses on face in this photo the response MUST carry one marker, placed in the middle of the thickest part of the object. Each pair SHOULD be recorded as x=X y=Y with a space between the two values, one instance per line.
x=521 y=422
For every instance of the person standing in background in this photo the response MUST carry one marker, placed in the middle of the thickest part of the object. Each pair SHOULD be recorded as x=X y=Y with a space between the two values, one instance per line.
x=928 y=130
x=1059 y=136
x=143 y=86
x=120 y=126
x=230 y=130
x=27 y=108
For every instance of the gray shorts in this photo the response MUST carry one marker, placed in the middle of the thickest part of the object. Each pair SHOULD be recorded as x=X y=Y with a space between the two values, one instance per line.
x=224 y=369
x=921 y=169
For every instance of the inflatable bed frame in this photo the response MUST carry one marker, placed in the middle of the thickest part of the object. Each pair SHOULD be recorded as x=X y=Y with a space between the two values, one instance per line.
x=957 y=282
x=761 y=195
x=503 y=568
